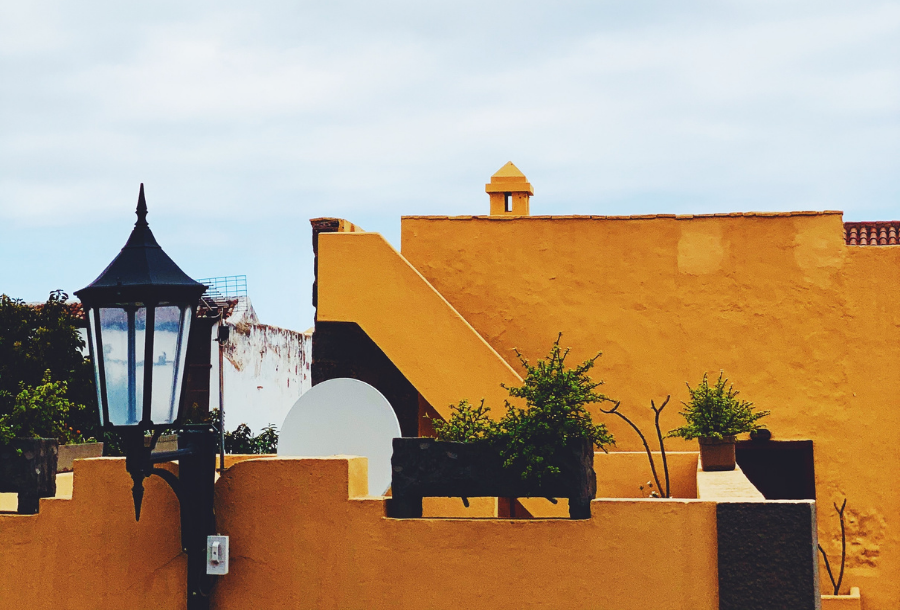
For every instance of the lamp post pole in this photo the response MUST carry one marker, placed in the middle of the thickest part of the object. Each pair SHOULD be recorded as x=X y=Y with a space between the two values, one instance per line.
x=219 y=339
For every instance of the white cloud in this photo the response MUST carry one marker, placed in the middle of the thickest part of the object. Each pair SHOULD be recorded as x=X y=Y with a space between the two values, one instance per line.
x=281 y=111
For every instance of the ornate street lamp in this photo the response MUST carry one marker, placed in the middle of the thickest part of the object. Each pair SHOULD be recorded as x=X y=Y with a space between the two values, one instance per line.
x=139 y=314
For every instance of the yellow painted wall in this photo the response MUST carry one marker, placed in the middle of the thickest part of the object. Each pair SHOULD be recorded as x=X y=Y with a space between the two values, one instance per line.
x=88 y=553
x=303 y=534
x=802 y=324
x=362 y=279
x=620 y=474
x=454 y=507
x=335 y=553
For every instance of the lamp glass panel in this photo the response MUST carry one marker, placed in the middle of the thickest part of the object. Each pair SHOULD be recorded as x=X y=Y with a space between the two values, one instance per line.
x=95 y=354
x=186 y=316
x=123 y=331
x=168 y=362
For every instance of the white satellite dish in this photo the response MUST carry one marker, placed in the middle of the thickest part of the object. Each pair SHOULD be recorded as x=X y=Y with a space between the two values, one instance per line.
x=343 y=417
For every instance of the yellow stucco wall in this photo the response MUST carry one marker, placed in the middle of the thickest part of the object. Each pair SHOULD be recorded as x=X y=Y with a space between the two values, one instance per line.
x=620 y=474
x=303 y=534
x=87 y=552
x=335 y=553
x=362 y=279
x=802 y=324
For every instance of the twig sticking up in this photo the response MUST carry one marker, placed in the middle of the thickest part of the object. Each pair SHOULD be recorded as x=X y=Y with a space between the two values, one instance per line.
x=837 y=585
x=659 y=435
x=615 y=411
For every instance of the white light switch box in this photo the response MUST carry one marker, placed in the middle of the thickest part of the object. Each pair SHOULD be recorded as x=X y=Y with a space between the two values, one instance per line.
x=217 y=555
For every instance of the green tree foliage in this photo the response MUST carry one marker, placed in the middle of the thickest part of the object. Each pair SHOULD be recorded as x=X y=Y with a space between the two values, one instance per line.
x=715 y=412
x=36 y=339
x=40 y=412
x=529 y=439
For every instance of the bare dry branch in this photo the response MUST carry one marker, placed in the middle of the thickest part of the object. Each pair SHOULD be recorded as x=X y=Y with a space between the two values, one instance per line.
x=837 y=584
x=615 y=411
x=659 y=435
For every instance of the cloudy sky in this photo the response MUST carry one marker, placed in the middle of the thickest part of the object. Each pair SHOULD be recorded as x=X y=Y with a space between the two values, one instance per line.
x=245 y=119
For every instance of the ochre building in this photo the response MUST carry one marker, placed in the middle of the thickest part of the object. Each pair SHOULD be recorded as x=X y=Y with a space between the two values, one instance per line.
x=799 y=309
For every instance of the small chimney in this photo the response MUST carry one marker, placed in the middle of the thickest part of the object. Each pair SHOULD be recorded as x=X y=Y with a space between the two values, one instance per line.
x=509 y=191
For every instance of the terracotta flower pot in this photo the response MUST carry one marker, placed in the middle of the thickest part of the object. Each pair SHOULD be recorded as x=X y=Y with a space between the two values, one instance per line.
x=717 y=454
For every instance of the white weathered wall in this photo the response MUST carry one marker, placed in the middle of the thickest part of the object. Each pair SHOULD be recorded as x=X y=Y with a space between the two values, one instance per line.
x=266 y=370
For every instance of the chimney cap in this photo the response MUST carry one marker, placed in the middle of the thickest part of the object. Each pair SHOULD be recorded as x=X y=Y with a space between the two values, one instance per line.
x=509 y=179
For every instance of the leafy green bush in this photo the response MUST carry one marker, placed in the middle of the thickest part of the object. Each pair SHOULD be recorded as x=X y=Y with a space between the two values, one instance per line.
x=242 y=441
x=529 y=439
x=267 y=440
x=555 y=413
x=466 y=424
x=40 y=412
x=715 y=412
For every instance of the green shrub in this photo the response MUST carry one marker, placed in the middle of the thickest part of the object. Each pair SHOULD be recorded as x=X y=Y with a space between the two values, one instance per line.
x=266 y=441
x=466 y=423
x=242 y=441
x=529 y=439
x=715 y=412
x=40 y=412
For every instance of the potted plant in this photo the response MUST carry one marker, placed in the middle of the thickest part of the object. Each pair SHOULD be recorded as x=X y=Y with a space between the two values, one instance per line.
x=29 y=442
x=714 y=416
x=543 y=450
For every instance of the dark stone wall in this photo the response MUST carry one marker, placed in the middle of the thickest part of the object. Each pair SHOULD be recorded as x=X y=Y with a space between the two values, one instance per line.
x=320 y=225
x=343 y=349
x=780 y=470
x=767 y=556
x=28 y=466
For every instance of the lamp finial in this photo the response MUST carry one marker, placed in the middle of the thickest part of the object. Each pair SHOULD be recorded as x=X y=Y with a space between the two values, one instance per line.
x=141 y=209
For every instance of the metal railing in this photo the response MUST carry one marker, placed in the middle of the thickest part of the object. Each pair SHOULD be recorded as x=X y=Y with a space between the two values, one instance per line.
x=222 y=289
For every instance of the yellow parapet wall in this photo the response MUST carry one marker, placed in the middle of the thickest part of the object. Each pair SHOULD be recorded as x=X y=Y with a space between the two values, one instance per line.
x=362 y=279
x=88 y=553
x=303 y=534
x=301 y=543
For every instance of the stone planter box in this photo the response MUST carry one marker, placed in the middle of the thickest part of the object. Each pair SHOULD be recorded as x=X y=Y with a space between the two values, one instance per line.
x=80 y=451
x=166 y=443
x=28 y=467
x=842 y=602
x=425 y=467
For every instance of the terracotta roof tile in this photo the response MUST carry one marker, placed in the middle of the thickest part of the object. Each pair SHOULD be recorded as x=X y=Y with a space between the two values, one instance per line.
x=75 y=310
x=877 y=233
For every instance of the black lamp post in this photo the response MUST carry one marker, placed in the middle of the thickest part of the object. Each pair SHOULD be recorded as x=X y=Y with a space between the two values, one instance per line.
x=139 y=313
